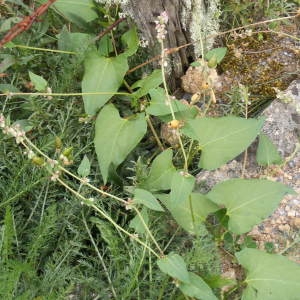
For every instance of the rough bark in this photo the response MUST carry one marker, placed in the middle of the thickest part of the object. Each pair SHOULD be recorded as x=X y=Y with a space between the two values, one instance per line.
x=189 y=20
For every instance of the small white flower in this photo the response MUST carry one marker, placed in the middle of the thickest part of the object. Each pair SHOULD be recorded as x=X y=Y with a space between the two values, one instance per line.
x=129 y=203
x=55 y=176
x=2 y=121
x=49 y=91
x=85 y=180
x=144 y=43
x=134 y=236
x=122 y=15
x=52 y=163
x=30 y=154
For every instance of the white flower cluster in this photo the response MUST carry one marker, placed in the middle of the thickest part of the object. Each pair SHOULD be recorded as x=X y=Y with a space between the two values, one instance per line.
x=160 y=27
x=15 y=130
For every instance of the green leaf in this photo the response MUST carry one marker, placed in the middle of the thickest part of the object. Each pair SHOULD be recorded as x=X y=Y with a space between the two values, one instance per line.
x=158 y=106
x=269 y=276
x=219 y=53
x=131 y=39
x=146 y=198
x=39 y=82
x=105 y=46
x=174 y=265
x=74 y=42
x=8 y=61
x=116 y=137
x=84 y=167
x=137 y=224
x=102 y=75
x=267 y=153
x=161 y=173
x=24 y=124
x=77 y=11
x=248 y=201
x=221 y=139
x=192 y=212
x=197 y=288
x=181 y=187
x=148 y=83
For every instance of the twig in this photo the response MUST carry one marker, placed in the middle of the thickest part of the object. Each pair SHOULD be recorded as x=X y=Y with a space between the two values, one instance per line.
x=108 y=29
x=25 y=23
x=161 y=147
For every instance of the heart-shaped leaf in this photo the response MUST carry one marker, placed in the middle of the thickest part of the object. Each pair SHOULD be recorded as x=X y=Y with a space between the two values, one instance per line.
x=78 y=11
x=161 y=173
x=146 y=198
x=269 y=276
x=197 y=288
x=174 y=265
x=103 y=75
x=192 y=212
x=221 y=139
x=181 y=187
x=116 y=137
x=74 y=41
x=248 y=201
x=267 y=153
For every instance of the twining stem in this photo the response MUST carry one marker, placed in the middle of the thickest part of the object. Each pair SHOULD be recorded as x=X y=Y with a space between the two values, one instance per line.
x=245 y=95
x=169 y=103
x=103 y=214
x=94 y=188
x=148 y=230
x=160 y=145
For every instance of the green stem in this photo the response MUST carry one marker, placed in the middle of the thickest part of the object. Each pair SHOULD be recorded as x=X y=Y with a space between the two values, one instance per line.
x=44 y=49
x=104 y=215
x=62 y=94
x=148 y=231
x=170 y=103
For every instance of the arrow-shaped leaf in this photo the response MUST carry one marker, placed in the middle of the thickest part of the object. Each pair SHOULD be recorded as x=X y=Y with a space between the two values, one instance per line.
x=174 y=265
x=197 y=288
x=221 y=139
x=181 y=187
x=116 y=137
x=248 y=201
x=161 y=173
x=104 y=75
x=191 y=212
x=269 y=276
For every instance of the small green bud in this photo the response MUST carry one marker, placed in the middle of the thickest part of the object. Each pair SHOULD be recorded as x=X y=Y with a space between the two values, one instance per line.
x=212 y=63
x=37 y=160
x=58 y=143
x=68 y=152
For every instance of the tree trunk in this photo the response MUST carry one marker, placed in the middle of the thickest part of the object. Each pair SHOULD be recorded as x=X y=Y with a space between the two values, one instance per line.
x=189 y=21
